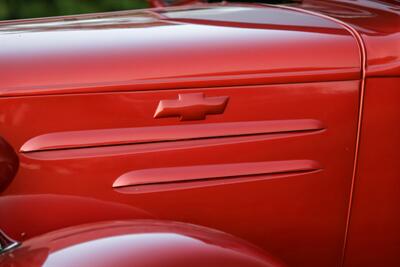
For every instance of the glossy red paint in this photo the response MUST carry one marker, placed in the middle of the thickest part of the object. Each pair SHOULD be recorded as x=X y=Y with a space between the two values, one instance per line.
x=378 y=23
x=277 y=166
x=139 y=243
x=374 y=236
x=278 y=212
x=150 y=50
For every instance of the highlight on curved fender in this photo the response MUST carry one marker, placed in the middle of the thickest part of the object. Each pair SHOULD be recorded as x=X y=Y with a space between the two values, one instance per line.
x=139 y=243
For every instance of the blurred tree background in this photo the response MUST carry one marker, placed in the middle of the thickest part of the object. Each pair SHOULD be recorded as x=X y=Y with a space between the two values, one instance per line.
x=19 y=9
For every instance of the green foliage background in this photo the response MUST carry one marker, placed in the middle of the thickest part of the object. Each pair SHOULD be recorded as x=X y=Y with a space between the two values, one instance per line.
x=19 y=9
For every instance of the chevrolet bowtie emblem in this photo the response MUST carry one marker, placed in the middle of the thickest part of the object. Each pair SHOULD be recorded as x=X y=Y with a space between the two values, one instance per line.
x=194 y=106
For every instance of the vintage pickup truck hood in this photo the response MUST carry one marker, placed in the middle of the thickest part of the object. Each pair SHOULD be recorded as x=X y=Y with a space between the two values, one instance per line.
x=203 y=45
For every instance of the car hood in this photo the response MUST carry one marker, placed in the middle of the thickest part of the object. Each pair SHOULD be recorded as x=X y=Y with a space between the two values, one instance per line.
x=185 y=47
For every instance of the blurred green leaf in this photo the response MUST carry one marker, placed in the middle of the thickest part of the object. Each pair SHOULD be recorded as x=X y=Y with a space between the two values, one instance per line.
x=19 y=9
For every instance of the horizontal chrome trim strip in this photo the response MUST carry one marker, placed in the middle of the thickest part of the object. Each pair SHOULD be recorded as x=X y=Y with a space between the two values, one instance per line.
x=158 y=147
x=208 y=173
x=140 y=135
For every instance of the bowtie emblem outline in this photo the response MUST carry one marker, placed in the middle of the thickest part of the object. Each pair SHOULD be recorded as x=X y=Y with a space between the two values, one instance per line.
x=191 y=106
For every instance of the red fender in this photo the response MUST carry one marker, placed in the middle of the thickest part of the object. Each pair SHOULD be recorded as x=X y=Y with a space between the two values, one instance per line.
x=139 y=243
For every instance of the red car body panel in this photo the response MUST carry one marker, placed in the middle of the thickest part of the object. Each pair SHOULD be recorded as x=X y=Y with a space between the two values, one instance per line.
x=377 y=23
x=140 y=243
x=150 y=50
x=260 y=121
x=374 y=238
x=292 y=186
x=373 y=235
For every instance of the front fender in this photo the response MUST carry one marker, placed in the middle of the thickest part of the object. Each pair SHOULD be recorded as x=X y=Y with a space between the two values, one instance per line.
x=139 y=243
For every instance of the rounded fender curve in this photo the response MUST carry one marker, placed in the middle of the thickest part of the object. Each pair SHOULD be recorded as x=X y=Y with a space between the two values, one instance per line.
x=139 y=243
